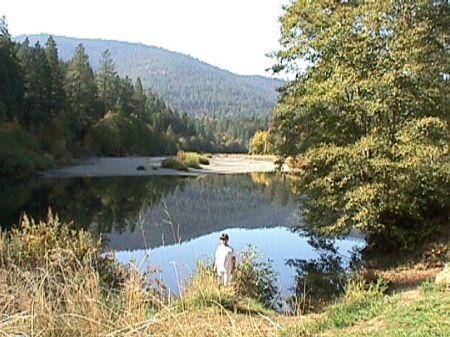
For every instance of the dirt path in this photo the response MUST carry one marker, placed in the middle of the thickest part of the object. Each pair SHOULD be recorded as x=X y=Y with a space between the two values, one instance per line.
x=128 y=166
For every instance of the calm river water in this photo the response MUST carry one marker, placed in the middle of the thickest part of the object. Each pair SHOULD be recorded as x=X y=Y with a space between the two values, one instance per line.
x=172 y=222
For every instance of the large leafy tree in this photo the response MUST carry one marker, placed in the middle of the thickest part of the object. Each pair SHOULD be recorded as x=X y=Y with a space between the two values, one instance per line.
x=372 y=65
x=369 y=115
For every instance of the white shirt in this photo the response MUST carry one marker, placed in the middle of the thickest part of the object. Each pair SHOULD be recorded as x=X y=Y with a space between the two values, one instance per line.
x=224 y=258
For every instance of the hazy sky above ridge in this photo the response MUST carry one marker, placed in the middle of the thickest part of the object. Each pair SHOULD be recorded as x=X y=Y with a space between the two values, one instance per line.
x=231 y=34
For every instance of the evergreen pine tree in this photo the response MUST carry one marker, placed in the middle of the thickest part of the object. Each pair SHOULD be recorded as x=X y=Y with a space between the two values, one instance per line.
x=36 y=74
x=81 y=92
x=56 y=97
x=107 y=83
x=11 y=83
x=140 y=101
x=125 y=102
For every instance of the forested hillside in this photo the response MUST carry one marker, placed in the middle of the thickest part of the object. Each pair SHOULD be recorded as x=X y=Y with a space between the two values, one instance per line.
x=186 y=83
x=52 y=110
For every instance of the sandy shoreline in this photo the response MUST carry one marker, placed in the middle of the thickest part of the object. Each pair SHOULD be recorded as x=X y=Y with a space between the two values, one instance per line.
x=127 y=166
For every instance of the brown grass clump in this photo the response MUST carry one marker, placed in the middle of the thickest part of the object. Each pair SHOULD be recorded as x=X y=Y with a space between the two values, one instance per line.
x=209 y=310
x=215 y=322
x=406 y=278
x=52 y=283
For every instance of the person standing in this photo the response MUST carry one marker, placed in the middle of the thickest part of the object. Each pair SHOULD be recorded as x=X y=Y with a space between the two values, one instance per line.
x=225 y=261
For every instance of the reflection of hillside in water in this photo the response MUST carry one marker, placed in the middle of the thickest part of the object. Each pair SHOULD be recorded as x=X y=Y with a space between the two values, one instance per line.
x=112 y=206
x=210 y=204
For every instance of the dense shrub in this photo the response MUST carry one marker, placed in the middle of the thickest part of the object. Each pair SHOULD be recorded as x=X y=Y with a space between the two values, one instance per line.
x=193 y=159
x=174 y=163
x=261 y=143
x=117 y=135
x=184 y=160
x=20 y=153
x=203 y=160
x=256 y=278
x=396 y=193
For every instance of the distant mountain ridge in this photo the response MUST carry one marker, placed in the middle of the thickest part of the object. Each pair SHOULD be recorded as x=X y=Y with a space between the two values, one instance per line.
x=186 y=83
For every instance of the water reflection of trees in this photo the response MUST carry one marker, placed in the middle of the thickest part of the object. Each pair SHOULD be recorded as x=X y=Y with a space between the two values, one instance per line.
x=275 y=186
x=104 y=204
x=109 y=202
x=211 y=204
x=318 y=281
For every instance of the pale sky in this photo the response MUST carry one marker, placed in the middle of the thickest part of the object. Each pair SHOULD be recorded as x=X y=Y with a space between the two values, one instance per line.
x=231 y=34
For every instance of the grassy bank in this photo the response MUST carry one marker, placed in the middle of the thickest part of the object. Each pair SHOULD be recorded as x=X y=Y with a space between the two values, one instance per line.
x=57 y=282
x=366 y=311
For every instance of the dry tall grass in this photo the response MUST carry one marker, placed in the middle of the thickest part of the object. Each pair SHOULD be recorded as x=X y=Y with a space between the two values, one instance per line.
x=209 y=310
x=55 y=282
x=52 y=283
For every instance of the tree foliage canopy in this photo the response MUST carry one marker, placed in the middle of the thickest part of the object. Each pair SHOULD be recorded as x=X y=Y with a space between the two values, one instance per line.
x=375 y=91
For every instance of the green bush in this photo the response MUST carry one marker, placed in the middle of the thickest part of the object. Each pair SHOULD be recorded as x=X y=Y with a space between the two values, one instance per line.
x=174 y=163
x=203 y=160
x=20 y=153
x=117 y=135
x=192 y=159
x=256 y=278
x=397 y=193
x=191 y=162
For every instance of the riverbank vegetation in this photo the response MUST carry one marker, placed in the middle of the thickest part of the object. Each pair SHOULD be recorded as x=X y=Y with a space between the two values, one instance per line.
x=261 y=143
x=19 y=152
x=368 y=311
x=58 y=282
x=66 y=110
x=193 y=159
x=367 y=120
x=184 y=160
